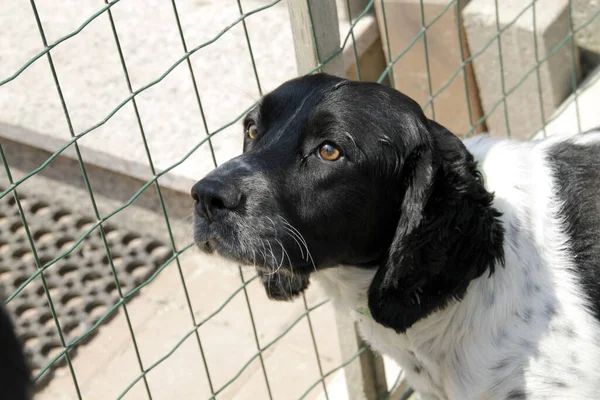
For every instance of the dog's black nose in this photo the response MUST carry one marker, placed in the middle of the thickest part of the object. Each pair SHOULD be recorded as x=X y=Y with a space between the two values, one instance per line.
x=214 y=195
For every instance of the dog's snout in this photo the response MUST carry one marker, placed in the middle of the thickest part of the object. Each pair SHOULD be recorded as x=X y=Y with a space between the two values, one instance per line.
x=213 y=195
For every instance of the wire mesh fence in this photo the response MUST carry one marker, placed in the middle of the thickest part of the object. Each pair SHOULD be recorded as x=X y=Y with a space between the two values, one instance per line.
x=100 y=221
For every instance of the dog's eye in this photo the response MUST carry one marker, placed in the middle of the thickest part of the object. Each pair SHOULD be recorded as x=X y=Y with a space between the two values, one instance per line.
x=252 y=131
x=329 y=152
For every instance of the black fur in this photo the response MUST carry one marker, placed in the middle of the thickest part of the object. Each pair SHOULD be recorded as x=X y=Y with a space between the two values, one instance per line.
x=404 y=198
x=282 y=289
x=516 y=394
x=577 y=174
x=447 y=235
x=15 y=376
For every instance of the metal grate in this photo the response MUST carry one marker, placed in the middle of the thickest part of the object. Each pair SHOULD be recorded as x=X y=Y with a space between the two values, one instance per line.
x=81 y=283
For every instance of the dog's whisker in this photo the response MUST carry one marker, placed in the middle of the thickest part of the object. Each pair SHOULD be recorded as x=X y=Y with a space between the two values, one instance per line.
x=275 y=267
x=264 y=253
x=290 y=283
x=189 y=217
x=264 y=258
x=288 y=257
x=309 y=255
x=294 y=229
x=283 y=254
x=275 y=231
x=303 y=241
x=293 y=235
x=272 y=253
x=289 y=232
x=297 y=235
x=272 y=223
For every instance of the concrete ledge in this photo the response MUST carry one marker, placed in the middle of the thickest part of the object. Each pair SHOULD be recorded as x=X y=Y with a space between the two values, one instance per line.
x=31 y=115
x=517 y=59
x=588 y=39
x=106 y=184
x=564 y=120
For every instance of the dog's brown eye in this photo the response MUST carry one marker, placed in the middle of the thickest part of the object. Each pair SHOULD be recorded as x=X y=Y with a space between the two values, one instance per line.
x=252 y=131
x=329 y=152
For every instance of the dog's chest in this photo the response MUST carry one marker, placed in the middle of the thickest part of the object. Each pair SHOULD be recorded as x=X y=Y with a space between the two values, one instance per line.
x=423 y=369
x=472 y=350
x=347 y=287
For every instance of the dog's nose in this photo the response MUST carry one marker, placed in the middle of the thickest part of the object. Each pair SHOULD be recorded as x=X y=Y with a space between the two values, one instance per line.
x=214 y=195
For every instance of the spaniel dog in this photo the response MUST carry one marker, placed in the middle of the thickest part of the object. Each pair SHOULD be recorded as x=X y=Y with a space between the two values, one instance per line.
x=475 y=265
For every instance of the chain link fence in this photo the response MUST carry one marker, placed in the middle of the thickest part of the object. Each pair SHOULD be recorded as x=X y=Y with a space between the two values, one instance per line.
x=98 y=226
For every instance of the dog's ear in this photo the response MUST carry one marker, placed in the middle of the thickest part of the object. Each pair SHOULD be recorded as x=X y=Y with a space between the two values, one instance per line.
x=448 y=233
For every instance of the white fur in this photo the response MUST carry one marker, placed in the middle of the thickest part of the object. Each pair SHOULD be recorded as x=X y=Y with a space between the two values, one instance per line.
x=503 y=334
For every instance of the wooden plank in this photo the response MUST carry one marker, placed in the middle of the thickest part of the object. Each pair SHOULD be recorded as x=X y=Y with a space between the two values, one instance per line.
x=365 y=377
x=443 y=55
x=315 y=29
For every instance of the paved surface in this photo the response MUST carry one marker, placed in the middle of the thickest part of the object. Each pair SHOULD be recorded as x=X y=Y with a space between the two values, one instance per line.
x=93 y=83
x=160 y=317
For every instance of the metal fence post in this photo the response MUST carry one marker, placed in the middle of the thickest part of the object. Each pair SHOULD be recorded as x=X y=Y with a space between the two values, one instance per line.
x=315 y=28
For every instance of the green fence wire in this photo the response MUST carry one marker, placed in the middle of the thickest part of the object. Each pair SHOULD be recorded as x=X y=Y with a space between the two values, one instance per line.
x=348 y=39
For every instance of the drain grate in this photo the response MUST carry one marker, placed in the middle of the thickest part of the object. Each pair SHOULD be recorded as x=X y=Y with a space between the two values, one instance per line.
x=81 y=284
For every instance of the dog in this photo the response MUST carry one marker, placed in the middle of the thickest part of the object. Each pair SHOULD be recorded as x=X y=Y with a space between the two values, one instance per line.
x=474 y=264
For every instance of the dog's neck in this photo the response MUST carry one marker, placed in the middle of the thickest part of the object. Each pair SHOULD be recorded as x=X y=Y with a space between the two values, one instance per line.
x=435 y=351
x=503 y=321
x=347 y=287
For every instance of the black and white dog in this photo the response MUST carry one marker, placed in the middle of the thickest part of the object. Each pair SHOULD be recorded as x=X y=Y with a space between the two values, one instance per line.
x=475 y=265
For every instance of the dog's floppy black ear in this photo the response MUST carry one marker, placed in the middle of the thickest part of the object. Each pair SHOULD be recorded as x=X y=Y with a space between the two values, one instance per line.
x=448 y=233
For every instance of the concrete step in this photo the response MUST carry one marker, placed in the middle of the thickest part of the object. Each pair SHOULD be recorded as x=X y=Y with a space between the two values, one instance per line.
x=576 y=111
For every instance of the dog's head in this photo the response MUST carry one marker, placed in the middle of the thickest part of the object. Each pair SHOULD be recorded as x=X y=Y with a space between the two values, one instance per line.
x=336 y=172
